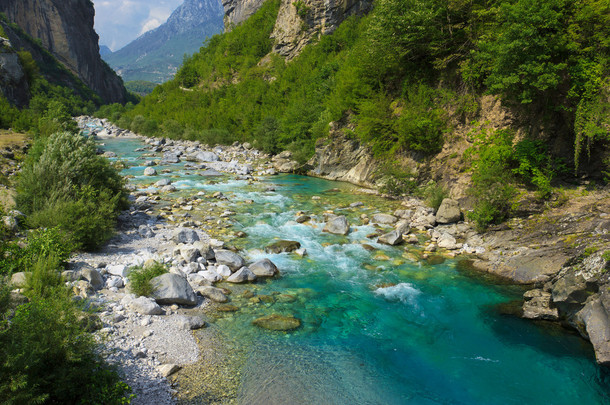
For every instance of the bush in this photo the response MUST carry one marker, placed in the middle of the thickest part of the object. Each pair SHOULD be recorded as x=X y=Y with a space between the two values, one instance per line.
x=47 y=357
x=435 y=194
x=65 y=184
x=43 y=279
x=139 y=278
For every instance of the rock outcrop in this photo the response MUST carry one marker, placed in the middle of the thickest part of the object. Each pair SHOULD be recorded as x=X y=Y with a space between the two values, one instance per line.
x=298 y=22
x=13 y=81
x=65 y=29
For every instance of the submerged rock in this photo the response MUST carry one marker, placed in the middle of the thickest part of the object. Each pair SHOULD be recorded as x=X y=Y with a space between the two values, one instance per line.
x=277 y=322
x=392 y=238
x=283 y=246
x=213 y=293
x=538 y=305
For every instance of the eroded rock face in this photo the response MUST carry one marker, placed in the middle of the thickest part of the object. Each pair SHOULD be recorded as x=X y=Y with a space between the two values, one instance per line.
x=65 y=28
x=238 y=11
x=297 y=26
x=13 y=82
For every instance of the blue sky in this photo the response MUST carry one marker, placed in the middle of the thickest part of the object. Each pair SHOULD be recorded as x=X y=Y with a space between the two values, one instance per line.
x=118 y=22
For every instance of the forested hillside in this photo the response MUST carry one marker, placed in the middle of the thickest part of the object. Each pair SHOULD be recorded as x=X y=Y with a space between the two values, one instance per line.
x=400 y=78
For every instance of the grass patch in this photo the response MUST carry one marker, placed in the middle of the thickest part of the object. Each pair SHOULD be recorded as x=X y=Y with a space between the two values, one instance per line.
x=139 y=278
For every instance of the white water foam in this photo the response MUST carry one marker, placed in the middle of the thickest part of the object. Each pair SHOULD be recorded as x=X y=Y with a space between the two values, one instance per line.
x=403 y=292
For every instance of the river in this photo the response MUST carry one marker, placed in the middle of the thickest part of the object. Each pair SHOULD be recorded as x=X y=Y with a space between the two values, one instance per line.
x=378 y=326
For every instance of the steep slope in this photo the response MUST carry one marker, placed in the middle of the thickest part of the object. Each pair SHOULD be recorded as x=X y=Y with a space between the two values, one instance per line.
x=65 y=29
x=157 y=55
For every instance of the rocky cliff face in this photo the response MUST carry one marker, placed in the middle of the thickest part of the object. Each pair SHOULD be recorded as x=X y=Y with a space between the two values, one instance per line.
x=65 y=28
x=298 y=22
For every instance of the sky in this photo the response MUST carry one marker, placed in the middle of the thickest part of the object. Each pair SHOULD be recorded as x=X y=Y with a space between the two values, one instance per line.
x=118 y=22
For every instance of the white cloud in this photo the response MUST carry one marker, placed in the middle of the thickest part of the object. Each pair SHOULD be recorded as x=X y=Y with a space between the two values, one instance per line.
x=118 y=22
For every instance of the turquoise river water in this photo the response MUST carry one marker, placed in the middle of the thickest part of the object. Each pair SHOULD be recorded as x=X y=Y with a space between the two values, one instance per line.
x=378 y=326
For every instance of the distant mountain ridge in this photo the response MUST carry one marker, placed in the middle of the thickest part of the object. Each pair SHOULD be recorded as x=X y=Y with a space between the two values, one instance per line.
x=157 y=55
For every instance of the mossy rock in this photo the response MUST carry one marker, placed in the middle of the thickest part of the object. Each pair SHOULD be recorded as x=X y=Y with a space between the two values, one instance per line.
x=277 y=322
x=283 y=246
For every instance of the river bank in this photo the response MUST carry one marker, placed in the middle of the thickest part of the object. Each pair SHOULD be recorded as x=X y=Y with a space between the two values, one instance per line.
x=154 y=217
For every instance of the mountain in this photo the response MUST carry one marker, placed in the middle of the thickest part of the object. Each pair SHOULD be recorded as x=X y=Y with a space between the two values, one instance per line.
x=65 y=29
x=104 y=51
x=157 y=55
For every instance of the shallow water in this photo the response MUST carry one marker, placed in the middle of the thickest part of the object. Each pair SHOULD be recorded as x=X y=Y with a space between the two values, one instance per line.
x=377 y=331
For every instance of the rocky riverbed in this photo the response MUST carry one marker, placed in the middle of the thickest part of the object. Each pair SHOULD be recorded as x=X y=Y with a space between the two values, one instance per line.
x=560 y=254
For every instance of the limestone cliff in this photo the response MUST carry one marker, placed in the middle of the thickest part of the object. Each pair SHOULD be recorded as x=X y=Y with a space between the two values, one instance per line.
x=13 y=81
x=65 y=29
x=298 y=22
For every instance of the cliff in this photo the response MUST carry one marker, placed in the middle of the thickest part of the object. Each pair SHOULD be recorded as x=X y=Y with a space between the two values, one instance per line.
x=157 y=55
x=298 y=22
x=65 y=29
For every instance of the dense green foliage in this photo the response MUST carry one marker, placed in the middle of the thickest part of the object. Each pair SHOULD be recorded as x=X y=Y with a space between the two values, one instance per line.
x=139 y=278
x=140 y=87
x=65 y=184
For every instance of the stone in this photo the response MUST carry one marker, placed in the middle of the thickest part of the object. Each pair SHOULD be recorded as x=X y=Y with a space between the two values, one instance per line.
x=189 y=253
x=337 y=225
x=185 y=235
x=449 y=212
x=264 y=268
x=385 y=219
x=213 y=293
x=538 y=305
x=277 y=322
x=150 y=171
x=230 y=259
x=19 y=279
x=10 y=223
x=145 y=306
x=423 y=218
x=163 y=182
x=117 y=270
x=115 y=282
x=206 y=156
x=302 y=252
x=223 y=270
x=171 y=289
x=168 y=369
x=92 y=276
x=190 y=322
x=392 y=238
x=403 y=226
x=570 y=292
x=447 y=241
x=241 y=276
x=282 y=246
x=211 y=276
x=302 y=219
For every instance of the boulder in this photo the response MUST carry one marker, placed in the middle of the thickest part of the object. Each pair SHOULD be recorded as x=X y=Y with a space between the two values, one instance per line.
x=163 y=182
x=230 y=259
x=211 y=276
x=117 y=270
x=188 y=252
x=392 y=238
x=283 y=246
x=447 y=241
x=403 y=226
x=207 y=157
x=10 y=223
x=595 y=320
x=92 y=276
x=449 y=212
x=264 y=268
x=385 y=219
x=277 y=322
x=149 y=171
x=423 y=218
x=241 y=276
x=337 y=225
x=171 y=289
x=213 y=293
x=538 y=305
x=145 y=306
x=185 y=235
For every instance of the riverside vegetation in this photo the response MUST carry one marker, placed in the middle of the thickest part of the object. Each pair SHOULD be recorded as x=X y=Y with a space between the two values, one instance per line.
x=400 y=79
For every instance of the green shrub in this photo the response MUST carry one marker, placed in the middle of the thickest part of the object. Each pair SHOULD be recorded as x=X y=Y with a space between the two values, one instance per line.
x=47 y=357
x=65 y=184
x=139 y=278
x=435 y=194
x=43 y=279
